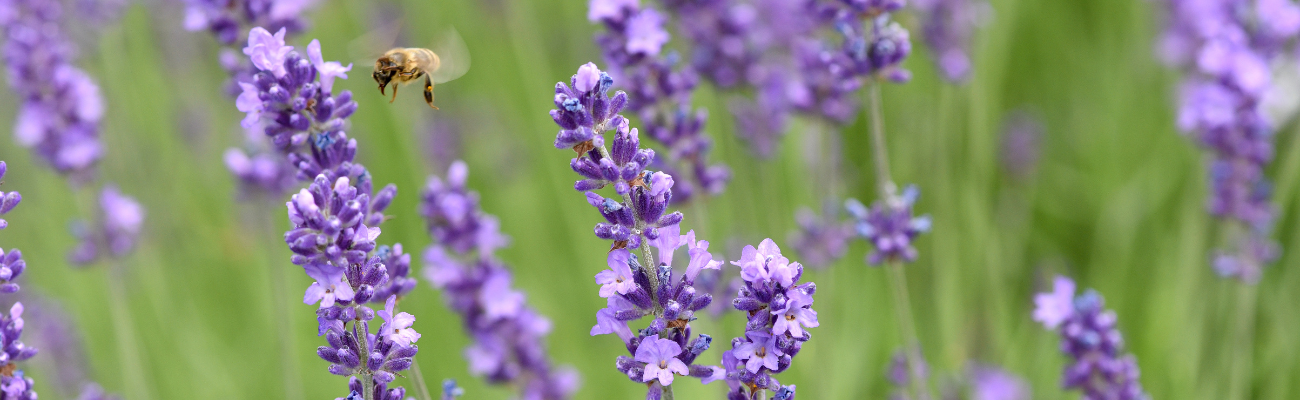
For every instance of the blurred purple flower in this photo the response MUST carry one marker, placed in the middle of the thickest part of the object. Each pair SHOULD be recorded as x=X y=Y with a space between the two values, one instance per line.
x=114 y=235
x=991 y=383
x=61 y=106
x=1098 y=368
x=889 y=226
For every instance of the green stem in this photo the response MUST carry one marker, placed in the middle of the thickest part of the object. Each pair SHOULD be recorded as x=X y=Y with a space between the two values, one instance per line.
x=668 y=392
x=1242 y=360
x=897 y=280
x=419 y=379
x=127 y=348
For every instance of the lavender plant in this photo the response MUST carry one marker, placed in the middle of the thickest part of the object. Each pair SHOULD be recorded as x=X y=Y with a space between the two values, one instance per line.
x=1098 y=367
x=660 y=93
x=1225 y=47
x=779 y=311
x=508 y=335
x=258 y=167
x=114 y=235
x=13 y=383
x=336 y=218
x=61 y=107
x=635 y=287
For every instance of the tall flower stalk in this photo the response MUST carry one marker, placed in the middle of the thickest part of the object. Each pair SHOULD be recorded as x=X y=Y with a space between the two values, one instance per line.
x=508 y=347
x=636 y=218
x=888 y=225
x=336 y=218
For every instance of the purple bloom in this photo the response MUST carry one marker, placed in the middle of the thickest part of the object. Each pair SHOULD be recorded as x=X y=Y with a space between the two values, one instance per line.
x=1226 y=49
x=645 y=33
x=327 y=70
x=1098 y=368
x=991 y=383
x=889 y=226
x=618 y=278
x=329 y=286
x=795 y=316
x=1054 y=308
x=508 y=335
x=11 y=266
x=450 y=391
x=701 y=259
x=1021 y=142
x=760 y=351
x=948 y=26
x=92 y=391
x=397 y=327
x=659 y=93
x=7 y=200
x=268 y=52
x=660 y=356
x=772 y=338
x=607 y=319
x=61 y=106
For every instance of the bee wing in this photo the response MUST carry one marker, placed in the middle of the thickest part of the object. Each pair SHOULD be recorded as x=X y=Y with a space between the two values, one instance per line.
x=453 y=55
x=366 y=49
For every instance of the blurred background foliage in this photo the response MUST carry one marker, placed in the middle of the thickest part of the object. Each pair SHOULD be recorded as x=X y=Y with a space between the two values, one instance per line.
x=1116 y=201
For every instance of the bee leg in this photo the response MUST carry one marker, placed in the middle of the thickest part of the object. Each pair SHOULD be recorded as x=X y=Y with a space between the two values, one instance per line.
x=428 y=92
x=394 y=93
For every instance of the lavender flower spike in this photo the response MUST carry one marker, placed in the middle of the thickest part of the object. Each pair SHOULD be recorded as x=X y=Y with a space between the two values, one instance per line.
x=636 y=287
x=508 y=335
x=779 y=309
x=61 y=106
x=889 y=226
x=1088 y=335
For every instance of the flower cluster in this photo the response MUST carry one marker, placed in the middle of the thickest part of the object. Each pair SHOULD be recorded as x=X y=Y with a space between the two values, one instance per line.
x=889 y=226
x=7 y=200
x=61 y=106
x=780 y=312
x=1226 y=47
x=1088 y=335
x=336 y=218
x=13 y=384
x=947 y=27
x=822 y=238
x=121 y=218
x=258 y=167
x=635 y=288
x=508 y=335
x=660 y=94
x=992 y=383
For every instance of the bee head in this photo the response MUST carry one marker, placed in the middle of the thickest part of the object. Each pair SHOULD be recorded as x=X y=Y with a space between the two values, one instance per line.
x=384 y=71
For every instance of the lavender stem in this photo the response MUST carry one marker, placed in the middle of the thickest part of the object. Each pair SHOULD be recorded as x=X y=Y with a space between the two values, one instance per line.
x=1241 y=361
x=126 y=346
x=897 y=279
x=289 y=364
x=419 y=379
x=668 y=392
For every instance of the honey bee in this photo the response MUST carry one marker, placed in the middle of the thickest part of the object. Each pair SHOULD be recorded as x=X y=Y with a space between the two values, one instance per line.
x=447 y=61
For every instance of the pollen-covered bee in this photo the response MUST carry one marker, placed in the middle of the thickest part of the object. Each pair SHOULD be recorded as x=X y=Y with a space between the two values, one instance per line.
x=448 y=60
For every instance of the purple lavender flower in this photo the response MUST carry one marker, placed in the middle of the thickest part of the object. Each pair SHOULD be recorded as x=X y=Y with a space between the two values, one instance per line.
x=1088 y=335
x=948 y=26
x=115 y=233
x=636 y=219
x=660 y=356
x=7 y=200
x=15 y=385
x=61 y=109
x=889 y=226
x=778 y=308
x=821 y=239
x=508 y=335
x=1055 y=307
x=659 y=93
x=11 y=266
x=992 y=383
x=1226 y=48
x=397 y=326
x=900 y=375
